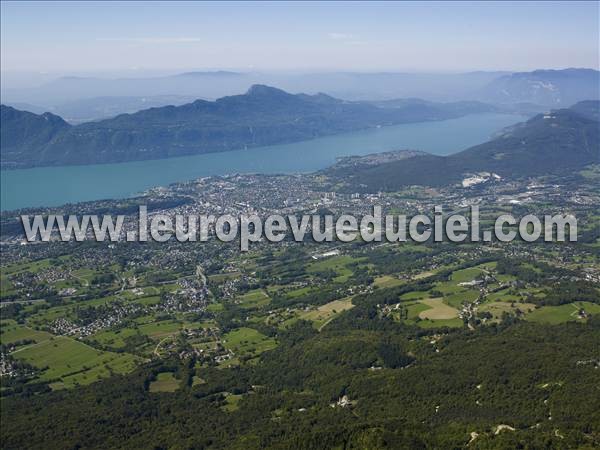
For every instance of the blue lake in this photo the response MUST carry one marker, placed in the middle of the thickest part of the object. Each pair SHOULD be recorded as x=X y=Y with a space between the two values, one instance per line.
x=53 y=186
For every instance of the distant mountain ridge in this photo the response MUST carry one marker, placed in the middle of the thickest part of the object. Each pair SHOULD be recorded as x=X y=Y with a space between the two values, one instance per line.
x=263 y=116
x=79 y=99
x=553 y=88
x=559 y=141
x=214 y=84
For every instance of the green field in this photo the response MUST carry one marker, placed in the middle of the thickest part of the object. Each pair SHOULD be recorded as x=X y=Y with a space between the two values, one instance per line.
x=33 y=267
x=147 y=301
x=299 y=292
x=497 y=309
x=562 y=313
x=387 y=281
x=215 y=307
x=158 y=330
x=336 y=263
x=165 y=382
x=220 y=277
x=414 y=309
x=12 y=332
x=248 y=342
x=430 y=312
x=114 y=339
x=466 y=275
x=254 y=299
x=458 y=298
x=414 y=295
x=67 y=362
x=231 y=402
x=503 y=296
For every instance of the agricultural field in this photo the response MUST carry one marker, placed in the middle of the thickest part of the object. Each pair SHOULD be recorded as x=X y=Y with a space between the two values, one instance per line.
x=437 y=310
x=414 y=310
x=428 y=313
x=322 y=315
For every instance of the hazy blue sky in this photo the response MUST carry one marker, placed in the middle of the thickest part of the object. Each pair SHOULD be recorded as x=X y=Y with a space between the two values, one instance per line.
x=306 y=36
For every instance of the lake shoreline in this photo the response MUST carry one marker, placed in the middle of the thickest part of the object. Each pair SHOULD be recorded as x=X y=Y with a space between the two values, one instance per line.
x=58 y=185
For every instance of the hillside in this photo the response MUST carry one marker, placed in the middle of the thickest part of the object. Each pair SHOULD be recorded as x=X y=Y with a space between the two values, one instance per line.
x=588 y=108
x=556 y=142
x=262 y=116
x=28 y=127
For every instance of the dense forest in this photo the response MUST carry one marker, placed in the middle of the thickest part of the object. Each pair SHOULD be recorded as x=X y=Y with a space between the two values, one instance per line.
x=511 y=385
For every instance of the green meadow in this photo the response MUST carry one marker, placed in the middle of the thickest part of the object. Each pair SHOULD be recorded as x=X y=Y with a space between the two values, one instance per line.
x=67 y=362
x=165 y=382
x=562 y=313
x=248 y=342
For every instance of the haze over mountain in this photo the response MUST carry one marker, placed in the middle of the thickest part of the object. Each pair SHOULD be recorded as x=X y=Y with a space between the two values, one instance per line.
x=215 y=84
x=545 y=87
x=262 y=116
x=561 y=141
x=97 y=108
x=79 y=99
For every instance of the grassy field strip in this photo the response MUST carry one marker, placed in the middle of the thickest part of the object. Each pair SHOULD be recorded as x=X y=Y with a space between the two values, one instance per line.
x=387 y=281
x=422 y=275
